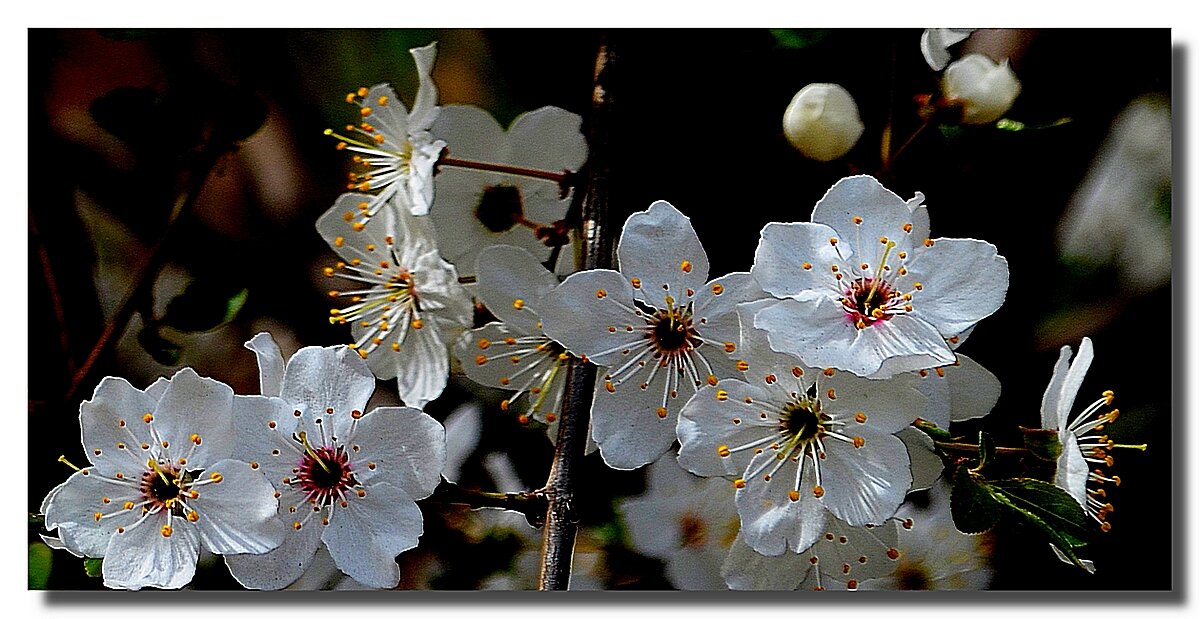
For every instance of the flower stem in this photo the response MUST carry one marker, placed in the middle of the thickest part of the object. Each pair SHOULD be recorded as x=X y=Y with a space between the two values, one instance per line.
x=972 y=448
x=532 y=503
x=887 y=165
x=556 y=177
x=558 y=538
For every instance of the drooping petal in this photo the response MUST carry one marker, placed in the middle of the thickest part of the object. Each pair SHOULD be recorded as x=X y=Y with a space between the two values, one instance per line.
x=1072 y=472
x=365 y=537
x=420 y=365
x=659 y=247
x=144 y=556
x=270 y=363
x=508 y=273
x=237 y=515
x=773 y=523
x=407 y=446
x=280 y=567
x=606 y=298
x=195 y=417
x=746 y=570
x=549 y=139
x=320 y=378
x=425 y=109
x=112 y=419
x=926 y=465
x=964 y=281
x=865 y=485
x=863 y=211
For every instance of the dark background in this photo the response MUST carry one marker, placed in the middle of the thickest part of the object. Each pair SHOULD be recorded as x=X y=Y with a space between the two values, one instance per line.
x=697 y=123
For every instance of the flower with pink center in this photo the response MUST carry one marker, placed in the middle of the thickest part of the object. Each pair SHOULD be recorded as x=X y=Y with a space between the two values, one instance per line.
x=344 y=479
x=163 y=483
x=658 y=329
x=864 y=289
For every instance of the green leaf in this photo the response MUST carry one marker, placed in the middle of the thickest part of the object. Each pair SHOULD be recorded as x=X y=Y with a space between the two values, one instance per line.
x=160 y=348
x=1008 y=124
x=93 y=567
x=1043 y=444
x=40 y=560
x=789 y=38
x=987 y=451
x=1048 y=508
x=206 y=304
x=972 y=504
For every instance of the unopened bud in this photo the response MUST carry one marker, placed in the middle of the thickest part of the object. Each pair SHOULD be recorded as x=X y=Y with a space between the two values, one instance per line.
x=822 y=122
x=985 y=89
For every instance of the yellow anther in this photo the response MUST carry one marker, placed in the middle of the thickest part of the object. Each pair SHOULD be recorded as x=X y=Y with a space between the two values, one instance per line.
x=928 y=242
x=739 y=483
x=712 y=380
x=370 y=247
x=770 y=378
x=366 y=111
x=918 y=286
x=723 y=451
x=417 y=323
x=1108 y=396
x=685 y=266
x=637 y=283
x=609 y=386
x=195 y=438
x=883 y=240
x=833 y=240
x=858 y=441
x=722 y=395
x=166 y=530
x=793 y=495
x=362 y=353
x=807 y=266
x=730 y=347
x=831 y=394
x=147 y=418
x=857 y=220
x=818 y=491
x=907 y=227
x=358 y=227
x=193 y=516
x=661 y=412
x=97 y=516
x=601 y=293
x=128 y=505
x=829 y=371
x=518 y=303
x=860 y=417
x=216 y=477
x=504 y=380
x=717 y=289
x=742 y=366
x=484 y=343
x=550 y=417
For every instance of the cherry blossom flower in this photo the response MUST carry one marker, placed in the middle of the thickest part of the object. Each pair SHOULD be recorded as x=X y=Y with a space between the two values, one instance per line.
x=515 y=354
x=408 y=303
x=345 y=479
x=1083 y=444
x=822 y=122
x=476 y=209
x=866 y=290
x=162 y=483
x=843 y=557
x=395 y=145
x=687 y=521
x=800 y=442
x=657 y=328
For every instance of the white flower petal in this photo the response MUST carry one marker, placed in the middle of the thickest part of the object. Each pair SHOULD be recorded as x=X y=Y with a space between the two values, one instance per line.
x=387 y=114
x=707 y=422
x=1072 y=470
x=935 y=41
x=626 y=424
x=606 y=298
x=111 y=418
x=882 y=213
x=270 y=363
x=772 y=523
x=420 y=365
x=158 y=388
x=425 y=109
x=746 y=570
x=195 y=416
x=412 y=459
x=365 y=537
x=865 y=485
x=783 y=252
x=1052 y=417
x=549 y=139
x=974 y=390
x=659 y=247
x=252 y=416
x=237 y=515
x=143 y=557
x=280 y=567
x=926 y=465
x=964 y=281
x=506 y=274
x=71 y=507
x=1073 y=381
x=471 y=133
x=319 y=378
x=463 y=426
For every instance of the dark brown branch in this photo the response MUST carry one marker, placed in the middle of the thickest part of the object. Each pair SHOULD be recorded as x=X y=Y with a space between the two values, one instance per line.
x=558 y=540
x=52 y=288
x=532 y=504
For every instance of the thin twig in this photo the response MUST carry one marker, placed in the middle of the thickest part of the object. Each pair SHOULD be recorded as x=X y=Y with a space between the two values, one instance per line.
x=52 y=288
x=558 y=539
x=556 y=177
x=532 y=503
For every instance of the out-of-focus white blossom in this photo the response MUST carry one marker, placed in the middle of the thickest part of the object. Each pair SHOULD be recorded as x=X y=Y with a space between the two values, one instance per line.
x=822 y=122
x=985 y=89
x=935 y=43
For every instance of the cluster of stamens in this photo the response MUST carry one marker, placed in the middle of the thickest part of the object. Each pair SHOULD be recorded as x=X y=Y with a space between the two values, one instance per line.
x=390 y=303
x=537 y=361
x=1088 y=430
x=870 y=295
x=324 y=475
x=801 y=428
x=384 y=162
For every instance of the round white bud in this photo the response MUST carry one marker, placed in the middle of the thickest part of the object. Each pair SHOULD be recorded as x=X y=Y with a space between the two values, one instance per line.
x=822 y=122
x=985 y=89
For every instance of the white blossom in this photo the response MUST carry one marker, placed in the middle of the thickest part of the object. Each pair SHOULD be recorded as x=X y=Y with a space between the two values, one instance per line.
x=935 y=44
x=162 y=483
x=985 y=89
x=345 y=479
x=822 y=122
x=407 y=303
x=865 y=289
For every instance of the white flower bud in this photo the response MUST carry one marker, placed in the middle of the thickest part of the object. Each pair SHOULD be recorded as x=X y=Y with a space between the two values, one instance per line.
x=822 y=122
x=985 y=89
